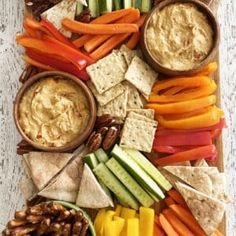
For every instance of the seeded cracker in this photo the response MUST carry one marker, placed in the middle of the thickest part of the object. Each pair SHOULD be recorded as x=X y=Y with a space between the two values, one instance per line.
x=108 y=95
x=149 y=113
x=107 y=72
x=117 y=107
x=128 y=53
x=141 y=76
x=138 y=134
x=136 y=116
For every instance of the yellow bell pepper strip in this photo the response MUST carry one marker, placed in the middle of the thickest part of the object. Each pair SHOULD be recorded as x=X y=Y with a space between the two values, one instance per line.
x=99 y=221
x=210 y=68
x=106 y=229
x=118 y=210
x=212 y=117
x=133 y=227
x=127 y=213
x=182 y=107
x=120 y=223
x=203 y=152
x=193 y=87
x=146 y=222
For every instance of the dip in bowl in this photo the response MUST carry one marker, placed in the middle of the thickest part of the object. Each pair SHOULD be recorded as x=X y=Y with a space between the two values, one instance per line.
x=54 y=111
x=180 y=37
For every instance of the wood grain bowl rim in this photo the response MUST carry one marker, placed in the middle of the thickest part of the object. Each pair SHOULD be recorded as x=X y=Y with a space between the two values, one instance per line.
x=92 y=108
x=154 y=62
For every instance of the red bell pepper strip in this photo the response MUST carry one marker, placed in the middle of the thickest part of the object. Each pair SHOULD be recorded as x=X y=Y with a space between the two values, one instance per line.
x=58 y=64
x=55 y=48
x=203 y=152
x=165 y=131
x=171 y=149
x=215 y=133
x=198 y=139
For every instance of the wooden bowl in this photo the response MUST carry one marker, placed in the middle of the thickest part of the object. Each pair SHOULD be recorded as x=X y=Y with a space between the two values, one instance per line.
x=154 y=62
x=82 y=136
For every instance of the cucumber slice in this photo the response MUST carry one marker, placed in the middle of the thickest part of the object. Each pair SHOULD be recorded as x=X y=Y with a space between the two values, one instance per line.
x=117 y=4
x=106 y=176
x=153 y=197
x=93 y=7
x=129 y=183
x=101 y=155
x=79 y=8
x=146 y=5
x=137 y=4
x=91 y=160
x=137 y=172
x=127 y=4
x=105 y=6
x=147 y=166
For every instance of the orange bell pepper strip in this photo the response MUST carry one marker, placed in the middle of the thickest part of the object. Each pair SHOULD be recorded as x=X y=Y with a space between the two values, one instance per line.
x=193 y=87
x=86 y=28
x=203 y=152
x=210 y=68
x=182 y=107
x=53 y=47
x=211 y=117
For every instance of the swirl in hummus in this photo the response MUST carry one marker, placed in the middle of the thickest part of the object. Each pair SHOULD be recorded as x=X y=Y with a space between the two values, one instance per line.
x=179 y=36
x=53 y=112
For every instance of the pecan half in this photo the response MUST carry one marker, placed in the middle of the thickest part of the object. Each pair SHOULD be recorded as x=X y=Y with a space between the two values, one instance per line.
x=110 y=138
x=103 y=131
x=104 y=121
x=94 y=142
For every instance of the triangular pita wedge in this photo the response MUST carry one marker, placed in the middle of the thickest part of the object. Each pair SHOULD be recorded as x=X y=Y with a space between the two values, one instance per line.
x=55 y=14
x=208 y=211
x=43 y=166
x=28 y=188
x=201 y=163
x=91 y=194
x=65 y=185
x=197 y=177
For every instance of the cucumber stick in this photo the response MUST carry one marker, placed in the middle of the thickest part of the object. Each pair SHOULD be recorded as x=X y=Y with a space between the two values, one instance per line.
x=101 y=155
x=137 y=172
x=91 y=160
x=106 y=176
x=129 y=183
x=150 y=169
x=79 y=8
x=117 y=4
x=93 y=6
x=105 y=6
x=146 y=5
x=127 y=4
x=137 y=4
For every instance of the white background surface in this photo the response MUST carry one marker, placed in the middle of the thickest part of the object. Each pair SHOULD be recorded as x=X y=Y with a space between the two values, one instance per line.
x=11 y=65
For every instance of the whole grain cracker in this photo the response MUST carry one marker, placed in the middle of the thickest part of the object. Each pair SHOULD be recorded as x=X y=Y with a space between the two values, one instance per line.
x=136 y=116
x=149 y=113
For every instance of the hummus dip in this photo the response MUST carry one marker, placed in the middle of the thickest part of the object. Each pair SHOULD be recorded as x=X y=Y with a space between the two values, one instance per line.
x=179 y=36
x=53 y=112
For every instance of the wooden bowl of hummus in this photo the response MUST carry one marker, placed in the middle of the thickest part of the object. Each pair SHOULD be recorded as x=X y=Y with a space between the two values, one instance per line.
x=54 y=111
x=180 y=37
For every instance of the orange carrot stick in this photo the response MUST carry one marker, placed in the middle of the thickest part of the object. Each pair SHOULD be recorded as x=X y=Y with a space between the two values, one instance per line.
x=133 y=41
x=176 y=223
x=157 y=220
x=82 y=40
x=177 y=197
x=84 y=28
x=188 y=219
x=158 y=231
x=99 y=39
x=169 y=201
x=167 y=226
x=37 y=64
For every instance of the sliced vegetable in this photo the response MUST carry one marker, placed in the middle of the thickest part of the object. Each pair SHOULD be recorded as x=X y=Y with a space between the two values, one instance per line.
x=118 y=210
x=168 y=228
x=106 y=176
x=158 y=231
x=91 y=160
x=177 y=197
x=133 y=227
x=187 y=218
x=146 y=223
x=79 y=8
x=118 y=4
x=32 y=62
x=120 y=224
x=101 y=155
x=105 y=6
x=82 y=40
x=98 y=222
x=169 y=201
x=210 y=68
x=85 y=28
x=137 y=4
x=146 y=5
x=171 y=149
x=129 y=182
x=109 y=226
x=127 y=3
x=127 y=213
x=133 y=41
x=203 y=152
x=93 y=6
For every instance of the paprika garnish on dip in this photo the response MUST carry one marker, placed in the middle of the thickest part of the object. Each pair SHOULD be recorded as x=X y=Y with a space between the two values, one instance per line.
x=180 y=36
x=53 y=112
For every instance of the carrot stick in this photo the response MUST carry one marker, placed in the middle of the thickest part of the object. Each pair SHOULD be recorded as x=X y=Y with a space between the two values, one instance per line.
x=82 y=40
x=176 y=223
x=169 y=201
x=188 y=219
x=37 y=64
x=84 y=28
x=157 y=221
x=177 y=197
x=167 y=226
x=133 y=41
x=113 y=42
x=99 y=39
x=158 y=231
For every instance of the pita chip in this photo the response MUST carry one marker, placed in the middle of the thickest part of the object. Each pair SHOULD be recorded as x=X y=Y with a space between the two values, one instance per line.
x=43 y=166
x=207 y=211
x=55 y=14
x=28 y=188
x=91 y=194
x=201 y=163
x=65 y=185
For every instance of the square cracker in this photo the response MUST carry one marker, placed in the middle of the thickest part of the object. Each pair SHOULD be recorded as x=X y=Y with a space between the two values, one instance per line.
x=134 y=101
x=116 y=107
x=108 y=95
x=107 y=72
x=138 y=134
x=136 y=116
x=128 y=53
x=149 y=113
x=141 y=76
